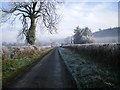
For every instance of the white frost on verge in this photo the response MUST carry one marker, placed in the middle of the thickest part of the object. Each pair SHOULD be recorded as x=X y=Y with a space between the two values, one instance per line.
x=86 y=73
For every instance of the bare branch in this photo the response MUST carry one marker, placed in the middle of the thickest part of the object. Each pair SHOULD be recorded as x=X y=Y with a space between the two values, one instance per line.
x=43 y=9
x=22 y=11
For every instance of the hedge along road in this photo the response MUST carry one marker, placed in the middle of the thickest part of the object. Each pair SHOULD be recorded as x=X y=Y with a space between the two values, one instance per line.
x=50 y=72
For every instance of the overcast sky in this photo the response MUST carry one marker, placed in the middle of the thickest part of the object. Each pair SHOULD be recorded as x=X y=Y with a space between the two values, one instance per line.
x=93 y=14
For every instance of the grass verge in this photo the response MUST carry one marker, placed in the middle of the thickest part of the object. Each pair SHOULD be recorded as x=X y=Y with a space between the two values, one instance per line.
x=13 y=67
x=107 y=53
x=89 y=73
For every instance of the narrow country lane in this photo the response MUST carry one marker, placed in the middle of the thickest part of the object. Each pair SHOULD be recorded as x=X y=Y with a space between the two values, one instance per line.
x=50 y=72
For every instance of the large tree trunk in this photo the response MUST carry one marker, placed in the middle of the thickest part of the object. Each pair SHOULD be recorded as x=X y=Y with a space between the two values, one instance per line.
x=31 y=33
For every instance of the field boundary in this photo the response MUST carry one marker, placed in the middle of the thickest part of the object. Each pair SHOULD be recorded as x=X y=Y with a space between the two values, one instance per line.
x=108 y=53
x=24 y=69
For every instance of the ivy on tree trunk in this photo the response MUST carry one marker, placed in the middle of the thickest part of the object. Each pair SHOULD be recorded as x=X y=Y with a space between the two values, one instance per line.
x=45 y=10
x=31 y=32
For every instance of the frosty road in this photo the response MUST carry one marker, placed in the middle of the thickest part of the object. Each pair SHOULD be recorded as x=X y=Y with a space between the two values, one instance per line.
x=50 y=72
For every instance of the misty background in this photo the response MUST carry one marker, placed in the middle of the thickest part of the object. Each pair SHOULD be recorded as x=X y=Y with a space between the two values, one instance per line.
x=100 y=17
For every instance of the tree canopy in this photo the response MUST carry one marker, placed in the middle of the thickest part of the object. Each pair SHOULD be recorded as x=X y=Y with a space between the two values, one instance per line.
x=29 y=13
x=83 y=35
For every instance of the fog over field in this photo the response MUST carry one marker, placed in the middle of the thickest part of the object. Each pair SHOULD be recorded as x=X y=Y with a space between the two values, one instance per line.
x=80 y=51
x=109 y=35
x=73 y=14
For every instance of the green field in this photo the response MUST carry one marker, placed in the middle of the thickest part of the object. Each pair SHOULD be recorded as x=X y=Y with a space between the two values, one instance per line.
x=13 y=67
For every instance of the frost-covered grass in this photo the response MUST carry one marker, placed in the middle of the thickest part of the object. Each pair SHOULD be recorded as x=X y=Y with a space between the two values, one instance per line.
x=20 y=51
x=12 y=67
x=89 y=73
x=108 y=53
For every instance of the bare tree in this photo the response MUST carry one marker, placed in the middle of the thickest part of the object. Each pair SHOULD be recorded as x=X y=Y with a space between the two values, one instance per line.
x=30 y=12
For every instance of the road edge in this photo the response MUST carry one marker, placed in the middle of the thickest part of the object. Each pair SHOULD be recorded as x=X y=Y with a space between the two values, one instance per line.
x=73 y=78
x=23 y=70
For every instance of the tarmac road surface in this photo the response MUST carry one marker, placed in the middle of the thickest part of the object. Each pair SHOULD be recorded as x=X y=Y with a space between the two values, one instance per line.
x=50 y=72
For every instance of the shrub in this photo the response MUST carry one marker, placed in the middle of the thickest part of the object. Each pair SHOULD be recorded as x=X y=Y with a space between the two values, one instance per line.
x=18 y=52
x=109 y=53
